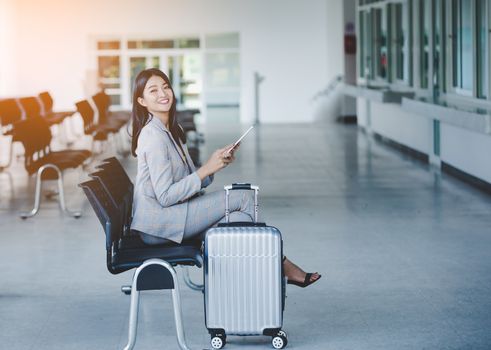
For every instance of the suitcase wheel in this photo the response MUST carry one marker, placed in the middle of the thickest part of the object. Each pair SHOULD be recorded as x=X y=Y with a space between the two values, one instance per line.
x=280 y=340
x=283 y=333
x=218 y=341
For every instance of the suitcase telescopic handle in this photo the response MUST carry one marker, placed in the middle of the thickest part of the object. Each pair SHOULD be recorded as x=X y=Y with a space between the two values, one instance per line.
x=240 y=186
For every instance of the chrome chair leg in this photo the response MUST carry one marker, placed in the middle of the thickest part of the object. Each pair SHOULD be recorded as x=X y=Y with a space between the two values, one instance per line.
x=61 y=191
x=189 y=282
x=37 y=198
x=135 y=300
x=133 y=322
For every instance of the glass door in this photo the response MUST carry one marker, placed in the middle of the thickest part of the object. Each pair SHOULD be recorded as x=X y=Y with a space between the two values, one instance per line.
x=137 y=63
x=185 y=73
x=439 y=36
x=380 y=43
x=183 y=70
x=366 y=44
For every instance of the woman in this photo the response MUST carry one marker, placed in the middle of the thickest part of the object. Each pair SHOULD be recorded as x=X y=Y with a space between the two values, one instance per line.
x=166 y=207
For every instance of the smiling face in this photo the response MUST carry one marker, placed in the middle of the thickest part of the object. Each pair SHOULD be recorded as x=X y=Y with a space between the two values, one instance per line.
x=157 y=96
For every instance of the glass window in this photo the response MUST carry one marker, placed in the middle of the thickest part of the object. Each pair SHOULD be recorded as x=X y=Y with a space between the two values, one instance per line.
x=401 y=49
x=108 y=45
x=108 y=66
x=137 y=64
x=150 y=44
x=439 y=45
x=190 y=80
x=366 y=43
x=115 y=100
x=109 y=76
x=462 y=48
x=222 y=41
x=222 y=69
x=380 y=40
x=155 y=62
x=398 y=43
x=424 y=42
x=482 y=48
x=361 y=53
x=187 y=43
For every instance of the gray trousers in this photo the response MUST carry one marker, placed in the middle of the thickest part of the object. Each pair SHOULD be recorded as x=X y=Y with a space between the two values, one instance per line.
x=208 y=210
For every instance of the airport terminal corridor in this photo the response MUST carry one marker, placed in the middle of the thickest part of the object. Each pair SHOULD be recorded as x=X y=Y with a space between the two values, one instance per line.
x=403 y=250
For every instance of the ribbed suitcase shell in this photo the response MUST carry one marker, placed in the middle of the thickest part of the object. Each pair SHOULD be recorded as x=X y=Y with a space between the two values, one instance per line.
x=243 y=279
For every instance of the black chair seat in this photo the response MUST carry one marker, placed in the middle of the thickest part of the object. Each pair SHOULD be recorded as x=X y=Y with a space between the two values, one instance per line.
x=65 y=114
x=127 y=259
x=61 y=159
x=56 y=118
x=120 y=115
x=133 y=241
x=111 y=126
x=51 y=174
x=71 y=155
x=99 y=128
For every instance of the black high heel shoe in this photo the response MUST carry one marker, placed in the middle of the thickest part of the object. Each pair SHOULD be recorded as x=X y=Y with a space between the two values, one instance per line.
x=306 y=282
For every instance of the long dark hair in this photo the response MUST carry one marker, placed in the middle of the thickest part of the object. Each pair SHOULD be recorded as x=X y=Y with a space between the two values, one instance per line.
x=140 y=115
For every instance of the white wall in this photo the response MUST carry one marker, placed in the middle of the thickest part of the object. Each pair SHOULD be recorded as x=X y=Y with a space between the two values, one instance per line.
x=408 y=129
x=466 y=150
x=335 y=39
x=362 y=111
x=296 y=45
x=463 y=149
x=8 y=86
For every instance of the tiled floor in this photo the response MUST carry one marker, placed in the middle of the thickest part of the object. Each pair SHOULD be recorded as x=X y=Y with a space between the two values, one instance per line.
x=405 y=253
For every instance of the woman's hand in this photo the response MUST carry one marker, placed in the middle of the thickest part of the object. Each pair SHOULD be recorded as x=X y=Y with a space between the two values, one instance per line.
x=218 y=160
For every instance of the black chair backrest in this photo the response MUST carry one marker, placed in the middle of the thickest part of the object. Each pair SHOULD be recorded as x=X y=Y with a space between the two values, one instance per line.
x=120 y=195
x=106 y=99
x=112 y=164
x=87 y=113
x=118 y=187
x=47 y=101
x=10 y=113
x=109 y=216
x=31 y=106
x=35 y=135
x=100 y=102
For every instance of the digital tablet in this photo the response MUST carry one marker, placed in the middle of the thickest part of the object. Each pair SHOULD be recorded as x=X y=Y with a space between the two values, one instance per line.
x=240 y=139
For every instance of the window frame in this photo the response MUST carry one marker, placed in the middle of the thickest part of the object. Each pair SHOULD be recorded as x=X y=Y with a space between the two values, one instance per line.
x=452 y=90
x=487 y=96
x=441 y=73
x=369 y=48
x=406 y=47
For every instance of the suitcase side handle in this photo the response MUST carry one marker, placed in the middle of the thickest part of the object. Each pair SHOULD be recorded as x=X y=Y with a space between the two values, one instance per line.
x=240 y=186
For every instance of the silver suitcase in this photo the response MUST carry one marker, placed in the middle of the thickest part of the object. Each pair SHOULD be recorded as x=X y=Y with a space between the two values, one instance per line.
x=243 y=277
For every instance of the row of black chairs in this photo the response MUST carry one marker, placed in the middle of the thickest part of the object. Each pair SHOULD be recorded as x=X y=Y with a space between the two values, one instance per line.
x=110 y=193
x=28 y=121
x=14 y=110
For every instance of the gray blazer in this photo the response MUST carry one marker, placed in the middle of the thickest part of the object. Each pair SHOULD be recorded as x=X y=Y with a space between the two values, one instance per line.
x=164 y=183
